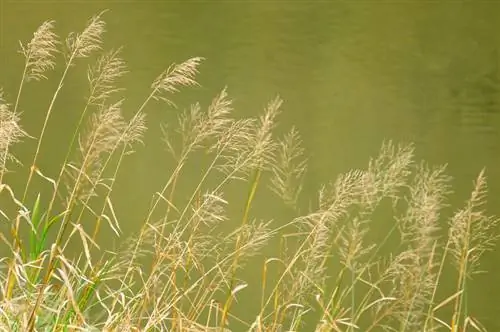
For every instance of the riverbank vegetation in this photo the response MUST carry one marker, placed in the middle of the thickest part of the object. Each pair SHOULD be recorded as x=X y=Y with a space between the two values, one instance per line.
x=188 y=268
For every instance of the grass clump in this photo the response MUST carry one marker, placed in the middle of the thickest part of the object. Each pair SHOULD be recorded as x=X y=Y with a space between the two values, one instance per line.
x=183 y=270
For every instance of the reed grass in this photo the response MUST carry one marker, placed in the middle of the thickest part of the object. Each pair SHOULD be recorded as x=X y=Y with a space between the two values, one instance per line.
x=185 y=269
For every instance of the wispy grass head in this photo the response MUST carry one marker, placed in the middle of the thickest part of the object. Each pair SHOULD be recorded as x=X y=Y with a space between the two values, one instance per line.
x=40 y=52
x=263 y=142
x=387 y=173
x=198 y=128
x=248 y=144
x=103 y=75
x=289 y=168
x=135 y=130
x=427 y=197
x=105 y=133
x=471 y=230
x=10 y=133
x=175 y=76
x=81 y=45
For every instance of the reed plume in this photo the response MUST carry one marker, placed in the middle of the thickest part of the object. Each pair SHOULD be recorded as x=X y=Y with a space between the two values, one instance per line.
x=10 y=133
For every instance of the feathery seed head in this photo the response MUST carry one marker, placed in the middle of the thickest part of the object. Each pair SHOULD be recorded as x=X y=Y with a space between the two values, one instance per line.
x=40 y=52
x=177 y=75
x=103 y=75
x=81 y=45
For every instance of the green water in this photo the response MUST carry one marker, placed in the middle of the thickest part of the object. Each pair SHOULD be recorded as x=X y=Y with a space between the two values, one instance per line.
x=352 y=73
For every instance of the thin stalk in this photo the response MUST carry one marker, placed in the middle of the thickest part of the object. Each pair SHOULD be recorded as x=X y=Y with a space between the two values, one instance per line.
x=11 y=275
x=248 y=204
x=119 y=141
x=196 y=190
x=21 y=84
x=353 y=297
x=430 y=313
x=162 y=229
x=225 y=259
x=65 y=219
x=455 y=323
x=462 y=276
x=145 y=223
x=365 y=268
x=68 y=153
x=45 y=122
x=99 y=217
x=15 y=230
x=171 y=180
x=409 y=310
x=73 y=196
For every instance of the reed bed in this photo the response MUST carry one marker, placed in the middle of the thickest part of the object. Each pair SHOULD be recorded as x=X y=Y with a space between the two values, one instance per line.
x=186 y=269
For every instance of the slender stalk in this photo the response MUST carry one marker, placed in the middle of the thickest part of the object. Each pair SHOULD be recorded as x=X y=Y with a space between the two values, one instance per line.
x=99 y=217
x=66 y=158
x=45 y=122
x=6 y=153
x=72 y=196
x=244 y=221
x=430 y=312
x=15 y=229
x=462 y=276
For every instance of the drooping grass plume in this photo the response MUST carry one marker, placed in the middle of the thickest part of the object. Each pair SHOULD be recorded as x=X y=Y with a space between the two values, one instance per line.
x=10 y=133
x=176 y=75
x=470 y=229
x=471 y=234
x=105 y=131
x=103 y=76
x=39 y=53
x=289 y=168
x=81 y=45
x=417 y=267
